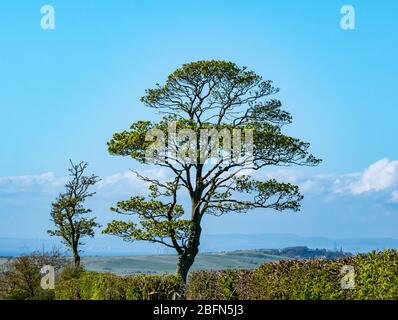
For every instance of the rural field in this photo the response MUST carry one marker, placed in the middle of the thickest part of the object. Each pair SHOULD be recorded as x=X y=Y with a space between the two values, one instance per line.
x=157 y=264
x=237 y=259
x=166 y=263
x=160 y=264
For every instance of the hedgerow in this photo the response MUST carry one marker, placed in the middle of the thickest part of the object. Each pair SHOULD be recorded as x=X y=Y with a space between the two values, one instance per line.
x=375 y=277
x=105 y=286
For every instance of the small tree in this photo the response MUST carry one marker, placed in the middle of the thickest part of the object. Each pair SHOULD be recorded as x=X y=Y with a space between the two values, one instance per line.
x=68 y=211
x=21 y=277
x=211 y=97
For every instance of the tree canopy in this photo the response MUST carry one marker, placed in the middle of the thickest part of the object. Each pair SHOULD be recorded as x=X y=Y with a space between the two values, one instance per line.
x=201 y=105
x=68 y=212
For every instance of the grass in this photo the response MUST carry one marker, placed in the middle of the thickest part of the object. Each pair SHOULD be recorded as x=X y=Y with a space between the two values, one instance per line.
x=158 y=264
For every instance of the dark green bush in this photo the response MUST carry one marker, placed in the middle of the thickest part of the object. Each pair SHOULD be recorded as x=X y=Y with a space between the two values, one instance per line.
x=21 y=278
x=105 y=286
x=297 y=279
x=144 y=287
x=70 y=271
x=217 y=285
x=376 y=277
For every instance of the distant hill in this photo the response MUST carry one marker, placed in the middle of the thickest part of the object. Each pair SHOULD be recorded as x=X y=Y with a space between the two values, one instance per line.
x=299 y=252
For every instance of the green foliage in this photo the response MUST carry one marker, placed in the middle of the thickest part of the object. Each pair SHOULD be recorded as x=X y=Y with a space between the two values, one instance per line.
x=70 y=271
x=309 y=280
x=205 y=285
x=67 y=290
x=376 y=277
x=225 y=101
x=20 y=279
x=68 y=211
x=144 y=287
x=217 y=285
x=104 y=286
x=157 y=220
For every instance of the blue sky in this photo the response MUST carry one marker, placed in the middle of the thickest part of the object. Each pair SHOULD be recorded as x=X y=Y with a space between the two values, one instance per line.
x=64 y=92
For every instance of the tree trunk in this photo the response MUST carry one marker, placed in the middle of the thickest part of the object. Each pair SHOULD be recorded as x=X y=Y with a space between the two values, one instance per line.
x=76 y=257
x=187 y=258
x=183 y=265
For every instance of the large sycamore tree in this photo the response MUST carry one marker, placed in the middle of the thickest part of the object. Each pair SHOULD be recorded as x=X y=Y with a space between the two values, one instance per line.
x=211 y=97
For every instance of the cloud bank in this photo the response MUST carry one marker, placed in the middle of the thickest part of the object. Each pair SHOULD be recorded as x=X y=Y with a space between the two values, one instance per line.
x=379 y=178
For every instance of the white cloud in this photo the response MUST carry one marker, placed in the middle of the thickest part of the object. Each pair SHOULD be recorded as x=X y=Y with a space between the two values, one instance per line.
x=318 y=184
x=40 y=183
x=127 y=177
x=29 y=180
x=130 y=178
x=48 y=184
x=51 y=180
x=285 y=175
x=379 y=176
x=394 y=196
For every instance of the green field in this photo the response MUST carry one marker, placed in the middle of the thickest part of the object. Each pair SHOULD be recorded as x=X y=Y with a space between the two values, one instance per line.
x=167 y=263
x=240 y=259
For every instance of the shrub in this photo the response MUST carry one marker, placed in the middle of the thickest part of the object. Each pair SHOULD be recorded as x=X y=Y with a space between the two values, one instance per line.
x=376 y=277
x=21 y=276
x=105 y=286
x=70 y=271
x=297 y=279
x=145 y=287
x=204 y=285
x=218 y=285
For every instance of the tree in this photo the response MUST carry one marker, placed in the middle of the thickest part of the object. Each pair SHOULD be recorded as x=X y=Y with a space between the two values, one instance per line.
x=206 y=102
x=21 y=277
x=68 y=212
